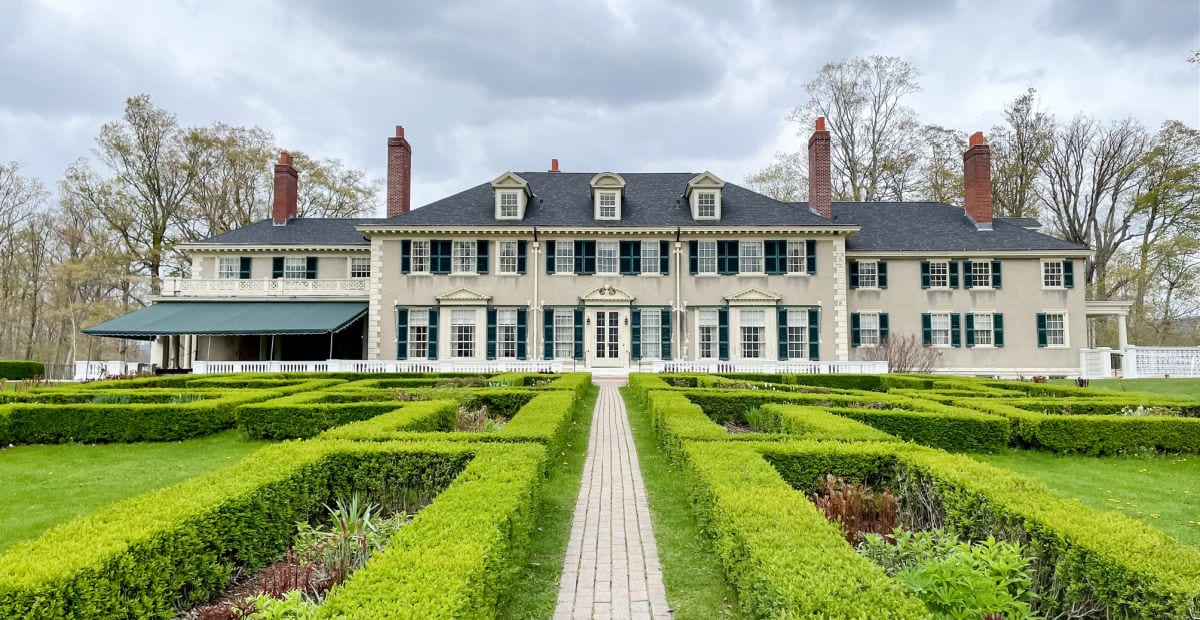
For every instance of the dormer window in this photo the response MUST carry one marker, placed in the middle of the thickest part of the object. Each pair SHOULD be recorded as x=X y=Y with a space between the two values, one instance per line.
x=509 y=208
x=512 y=195
x=607 y=191
x=704 y=196
x=608 y=205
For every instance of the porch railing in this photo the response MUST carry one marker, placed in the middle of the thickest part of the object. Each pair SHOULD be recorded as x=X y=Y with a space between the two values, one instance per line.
x=372 y=366
x=266 y=287
x=1145 y=362
x=770 y=368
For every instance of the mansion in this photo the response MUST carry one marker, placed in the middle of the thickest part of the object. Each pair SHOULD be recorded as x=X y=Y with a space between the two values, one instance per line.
x=620 y=270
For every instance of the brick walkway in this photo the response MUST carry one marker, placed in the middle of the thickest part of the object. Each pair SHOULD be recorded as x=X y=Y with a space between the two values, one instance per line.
x=611 y=569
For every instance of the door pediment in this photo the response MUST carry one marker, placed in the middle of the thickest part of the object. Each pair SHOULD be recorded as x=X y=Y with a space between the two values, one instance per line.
x=753 y=296
x=463 y=296
x=607 y=295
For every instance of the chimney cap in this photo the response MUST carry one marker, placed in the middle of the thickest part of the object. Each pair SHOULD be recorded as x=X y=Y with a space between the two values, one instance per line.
x=820 y=123
x=399 y=131
x=285 y=158
x=976 y=139
x=553 y=165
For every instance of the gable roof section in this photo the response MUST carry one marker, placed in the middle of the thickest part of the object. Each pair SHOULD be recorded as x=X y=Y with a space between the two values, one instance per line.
x=299 y=231
x=564 y=199
x=935 y=227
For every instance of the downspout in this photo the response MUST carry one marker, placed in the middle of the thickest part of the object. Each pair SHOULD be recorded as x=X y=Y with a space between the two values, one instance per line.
x=677 y=336
x=534 y=305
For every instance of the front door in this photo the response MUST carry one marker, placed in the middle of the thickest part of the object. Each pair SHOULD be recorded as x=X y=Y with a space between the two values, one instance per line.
x=607 y=350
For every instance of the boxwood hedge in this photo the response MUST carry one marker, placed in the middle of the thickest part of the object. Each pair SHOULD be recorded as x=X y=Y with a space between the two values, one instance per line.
x=21 y=369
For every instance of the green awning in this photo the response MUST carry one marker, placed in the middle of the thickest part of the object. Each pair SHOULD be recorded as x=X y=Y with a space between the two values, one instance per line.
x=232 y=318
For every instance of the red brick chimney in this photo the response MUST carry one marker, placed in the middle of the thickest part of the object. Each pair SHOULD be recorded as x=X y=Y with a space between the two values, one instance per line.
x=553 y=165
x=284 y=206
x=820 y=182
x=399 y=174
x=977 y=181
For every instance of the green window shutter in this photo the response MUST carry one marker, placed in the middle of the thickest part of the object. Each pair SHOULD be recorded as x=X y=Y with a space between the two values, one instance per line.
x=810 y=257
x=431 y=353
x=630 y=257
x=883 y=326
x=402 y=333
x=881 y=271
x=522 y=255
x=727 y=257
x=491 y=333
x=579 y=332
x=926 y=329
x=998 y=330
x=968 y=278
x=550 y=249
x=440 y=254
x=853 y=274
x=814 y=334
x=579 y=266
x=664 y=258
x=310 y=268
x=1041 y=329
x=635 y=333
x=548 y=334
x=782 y=332
x=585 y=258
x=666 y=335
x=1069 y=273
x=481 y=256
x=522 y=334
x=723 y=334
x=925 y=283
x=955 y=330
x=276 y=267
x=244 y=267
x=969 y=319
x=771 y=257
x=855 y=330
x=693 y=257
x=996 y=280
x=952 y=267
x=406 y=256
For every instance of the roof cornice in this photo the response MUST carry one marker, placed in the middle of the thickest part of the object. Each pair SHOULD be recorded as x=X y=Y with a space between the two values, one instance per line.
x=611 y=231
x=279 y=247
x=910 y=254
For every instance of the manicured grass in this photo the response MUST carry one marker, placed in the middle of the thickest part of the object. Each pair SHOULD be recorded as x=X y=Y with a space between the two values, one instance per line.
x=1163 y=491
x=1183 y=388
x=43 y=486
x=695 y=581
x=537 y=592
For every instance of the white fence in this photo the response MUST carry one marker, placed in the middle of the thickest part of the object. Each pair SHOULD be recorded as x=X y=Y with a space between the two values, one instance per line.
x=91 y=370
x=770 y=368
x=382 y=366
x=272 y=287
x=1145 y=362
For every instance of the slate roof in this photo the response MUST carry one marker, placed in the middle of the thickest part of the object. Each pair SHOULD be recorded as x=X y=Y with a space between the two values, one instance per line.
x=299 y=231
x=1024 y=222
x=934 y=227
x=650 y=199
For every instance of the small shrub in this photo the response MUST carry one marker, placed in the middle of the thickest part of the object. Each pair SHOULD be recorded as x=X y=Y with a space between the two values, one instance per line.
x=462 y=382
x=292 y=606
x=905 y=353
x=21 y=369
x=478 y=420
x=185 y=398
x=289 y=574
x=760 y=421
x=1080 y=382
x=111 y=399
x=857 y=508
x=357 y=532
x=405 y=397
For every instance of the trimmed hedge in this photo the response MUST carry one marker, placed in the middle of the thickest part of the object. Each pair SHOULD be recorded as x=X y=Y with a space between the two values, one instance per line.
x=814 y=423
x=1107 y=405
x=21 y=369
x=785 y=559
x=140 y=557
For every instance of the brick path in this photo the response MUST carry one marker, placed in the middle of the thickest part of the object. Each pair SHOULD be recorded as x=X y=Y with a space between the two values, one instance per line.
x=611 y=569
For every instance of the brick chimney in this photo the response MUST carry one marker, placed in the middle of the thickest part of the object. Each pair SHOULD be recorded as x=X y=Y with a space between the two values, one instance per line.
x=820 y=183
x=977 y=182
x=399 y=174
x=284 y=206
x=553 y=165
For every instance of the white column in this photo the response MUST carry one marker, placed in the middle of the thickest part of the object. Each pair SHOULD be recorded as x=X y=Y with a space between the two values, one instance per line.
x=1122 y=333
x=156 y=352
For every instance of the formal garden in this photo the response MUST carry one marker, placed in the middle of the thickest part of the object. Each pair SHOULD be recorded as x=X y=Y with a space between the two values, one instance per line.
x=377 y=496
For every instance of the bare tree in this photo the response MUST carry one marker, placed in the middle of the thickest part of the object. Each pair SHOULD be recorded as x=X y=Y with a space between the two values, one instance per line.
x=940 y=176
x=330 y=188
x=1019 y=150
x=786 y=179
x=904 y=353
x=232 y=185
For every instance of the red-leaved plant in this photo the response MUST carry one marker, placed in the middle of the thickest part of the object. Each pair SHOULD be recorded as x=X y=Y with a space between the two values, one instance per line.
x=857 y=508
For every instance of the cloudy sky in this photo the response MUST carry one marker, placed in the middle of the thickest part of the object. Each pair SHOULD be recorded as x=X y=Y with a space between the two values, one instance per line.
x=628 y=85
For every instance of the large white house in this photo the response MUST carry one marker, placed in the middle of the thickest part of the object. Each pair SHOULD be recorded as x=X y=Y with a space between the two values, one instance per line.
x=608 y=269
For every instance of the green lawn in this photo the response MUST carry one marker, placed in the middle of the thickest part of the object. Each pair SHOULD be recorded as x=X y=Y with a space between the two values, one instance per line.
x=537 y=591
x=42 y=486
x=695 y=581
x=1162 y=491
x=1184 y=388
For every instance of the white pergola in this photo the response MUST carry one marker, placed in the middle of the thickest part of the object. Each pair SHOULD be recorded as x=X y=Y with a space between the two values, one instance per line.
x=1118 y=308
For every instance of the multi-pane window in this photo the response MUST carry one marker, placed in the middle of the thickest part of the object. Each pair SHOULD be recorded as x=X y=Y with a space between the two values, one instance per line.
x=708 y=324
x=418 y=333
x=939 y=274
x=981 y=274
x=508 y=257
x=797 y=334
x=506 y=334
x=295 y=267
x=606 y=257
x=650 y=257
x=754 y=330
x=1052 y=274
x=608 y=205
x=796 y=259
x=868 y=329
x=706 y=261
x=462 y=257
x=1056 y=330
x=939 y=325
x=983 y=329
x=462 y=333
x=229 y=267
x=360 y=266
x=652 y=334
x=750 y=256
x=564 y=257
x=706 y=204
x=564 y=333
x=420 y=256
x=508 y=205
x=868 y=274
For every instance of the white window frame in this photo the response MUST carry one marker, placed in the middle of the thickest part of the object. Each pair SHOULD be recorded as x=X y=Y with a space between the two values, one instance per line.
x=229 y=267
x=462 y=334
x=747 y=251
x=797 y=334
x=944 y=274
x=506 y=334
x=868 y=329
x=418 y=332
x=706 y=257
x=506 y=257
x=752 y=333
x=295 y=267
x=865 y=279
x=797 y=258
x=650 y=258
x=608 y=204
x=984 y=274
x=419 y=256
x=510 y=205
x=708 y=336
x=706 y=204
x=564 y=255
x=651 y=334
x=608 y=258
x=360 y=267
x=1066 y=341
x=977 y=319
x=1048 y=273
x=462 y=257
x=564 y=334
x=935 y=329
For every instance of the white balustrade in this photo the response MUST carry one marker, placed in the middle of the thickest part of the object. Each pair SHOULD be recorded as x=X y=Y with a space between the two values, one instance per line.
x=278 y=287
x=789 y=368
x=1144 y=362
x=1095 y=363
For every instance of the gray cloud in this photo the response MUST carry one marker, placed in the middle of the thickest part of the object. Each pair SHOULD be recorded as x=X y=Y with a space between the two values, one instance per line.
x=1130 y=23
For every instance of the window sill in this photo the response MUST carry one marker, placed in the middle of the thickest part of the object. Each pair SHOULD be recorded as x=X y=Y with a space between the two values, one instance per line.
x=752 y=274
x=1055 y=288
x=650 y=275
x=419 y=273
x=459 y=274
x=799 y=274
x=705 y=275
